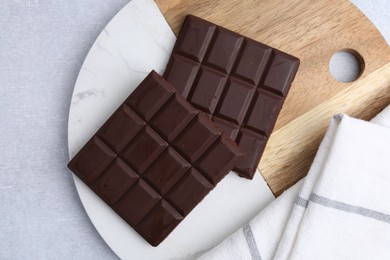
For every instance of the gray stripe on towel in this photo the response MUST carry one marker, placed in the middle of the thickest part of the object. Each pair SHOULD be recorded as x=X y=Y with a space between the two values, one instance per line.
x=250 y=240
x=350 y=208
x=301 y=202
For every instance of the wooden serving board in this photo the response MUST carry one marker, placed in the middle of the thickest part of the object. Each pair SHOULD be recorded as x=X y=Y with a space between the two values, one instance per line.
x=312 y=31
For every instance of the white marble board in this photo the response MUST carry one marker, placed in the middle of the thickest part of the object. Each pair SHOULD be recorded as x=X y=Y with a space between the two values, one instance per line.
x=137 y=40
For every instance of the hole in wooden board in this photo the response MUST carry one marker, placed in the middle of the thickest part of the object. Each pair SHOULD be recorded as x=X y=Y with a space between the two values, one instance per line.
x=346 y=65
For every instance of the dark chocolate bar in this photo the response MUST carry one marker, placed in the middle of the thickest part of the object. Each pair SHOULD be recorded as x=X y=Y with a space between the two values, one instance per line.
x=155 y=159
x=241 y=83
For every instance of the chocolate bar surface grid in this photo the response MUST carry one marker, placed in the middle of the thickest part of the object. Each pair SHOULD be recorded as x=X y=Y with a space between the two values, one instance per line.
x=155 y=159
x=241 y=83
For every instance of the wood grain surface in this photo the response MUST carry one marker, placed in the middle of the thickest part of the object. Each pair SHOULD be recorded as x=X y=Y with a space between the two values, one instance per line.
x=311 y=31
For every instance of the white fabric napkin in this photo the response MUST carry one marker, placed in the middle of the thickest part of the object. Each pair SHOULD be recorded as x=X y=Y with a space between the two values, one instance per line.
x=341 y=210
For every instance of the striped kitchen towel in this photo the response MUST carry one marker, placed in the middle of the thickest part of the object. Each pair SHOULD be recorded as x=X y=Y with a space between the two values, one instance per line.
x=341 y=210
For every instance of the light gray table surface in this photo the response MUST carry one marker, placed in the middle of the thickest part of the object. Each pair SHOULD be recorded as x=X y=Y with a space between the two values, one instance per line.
x=42 y=46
